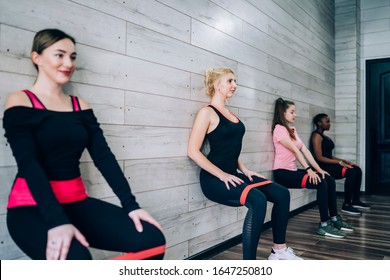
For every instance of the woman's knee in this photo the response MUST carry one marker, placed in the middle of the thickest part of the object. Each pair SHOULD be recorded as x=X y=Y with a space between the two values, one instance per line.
x=354 y=172
x=280 y=194
x=78 y=252
x=256 y=199
x=322 y=185
x=153 y=234
x=330 y=181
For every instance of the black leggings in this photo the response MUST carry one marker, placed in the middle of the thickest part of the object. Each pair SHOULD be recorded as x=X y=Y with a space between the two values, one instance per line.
x=326 y=189
x=104 y=225
x=255 y=199
x=353 y=180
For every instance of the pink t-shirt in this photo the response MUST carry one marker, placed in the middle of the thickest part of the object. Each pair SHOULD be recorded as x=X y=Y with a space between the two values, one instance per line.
x=284 y=158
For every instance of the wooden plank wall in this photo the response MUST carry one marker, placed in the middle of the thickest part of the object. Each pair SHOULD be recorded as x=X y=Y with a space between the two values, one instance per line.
x=347 y=92
x=375 y=44
x=362 y=30
x=141 y=65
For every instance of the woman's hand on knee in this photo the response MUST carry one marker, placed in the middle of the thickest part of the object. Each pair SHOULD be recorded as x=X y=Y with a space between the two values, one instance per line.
x=250 y=174
x=313 y=177
x=141 y=215
x=230 y=179
x=323 y=173
x=346 y=164
x=59 y=239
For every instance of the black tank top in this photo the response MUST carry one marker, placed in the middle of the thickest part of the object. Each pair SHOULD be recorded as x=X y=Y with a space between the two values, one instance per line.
x=327 y=146
x=225 y=143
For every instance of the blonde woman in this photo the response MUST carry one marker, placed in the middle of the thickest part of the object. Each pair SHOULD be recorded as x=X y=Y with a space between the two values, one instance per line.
x=219 y=178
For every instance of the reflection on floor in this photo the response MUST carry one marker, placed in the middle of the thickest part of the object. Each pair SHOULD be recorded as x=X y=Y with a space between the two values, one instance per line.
x=369 y=241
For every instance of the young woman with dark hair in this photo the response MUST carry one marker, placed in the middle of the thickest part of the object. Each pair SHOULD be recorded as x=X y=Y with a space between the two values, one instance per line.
x=288 y=149
x=322 y=148
x=49 y=213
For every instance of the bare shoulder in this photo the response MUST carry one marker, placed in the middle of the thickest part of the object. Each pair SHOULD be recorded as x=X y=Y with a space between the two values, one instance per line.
x=316 y=137
x=18 y=98
x=83 y=104
x=207 y=112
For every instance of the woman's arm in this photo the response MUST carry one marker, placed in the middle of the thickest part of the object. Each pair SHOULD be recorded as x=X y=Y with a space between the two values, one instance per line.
x=312 y=161
x=248 y=173
x=19 y=123
x=107 y=164
x=201 y=126
x=305 y=151
x=316 y=141
x=288 y=143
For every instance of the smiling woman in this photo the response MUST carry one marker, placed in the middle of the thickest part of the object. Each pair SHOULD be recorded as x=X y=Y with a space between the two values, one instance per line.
x=50 y=215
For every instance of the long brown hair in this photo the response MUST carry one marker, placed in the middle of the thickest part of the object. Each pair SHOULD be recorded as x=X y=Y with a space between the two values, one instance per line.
x=281 y=107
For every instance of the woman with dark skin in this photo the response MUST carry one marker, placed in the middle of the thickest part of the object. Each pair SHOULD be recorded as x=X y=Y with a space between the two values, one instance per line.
x=322 y=147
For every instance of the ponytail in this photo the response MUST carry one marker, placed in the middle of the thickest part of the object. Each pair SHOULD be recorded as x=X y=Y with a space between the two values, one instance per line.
x=281 y=107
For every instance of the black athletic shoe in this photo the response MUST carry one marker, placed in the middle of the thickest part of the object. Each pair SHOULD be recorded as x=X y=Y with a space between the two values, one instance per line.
x=361 y=205
x=349 y=209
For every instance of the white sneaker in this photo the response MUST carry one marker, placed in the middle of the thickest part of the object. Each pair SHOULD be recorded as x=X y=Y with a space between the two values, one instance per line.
x=287 y=254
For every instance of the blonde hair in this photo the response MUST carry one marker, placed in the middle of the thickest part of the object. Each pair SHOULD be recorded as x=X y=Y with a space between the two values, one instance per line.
x=213 y=76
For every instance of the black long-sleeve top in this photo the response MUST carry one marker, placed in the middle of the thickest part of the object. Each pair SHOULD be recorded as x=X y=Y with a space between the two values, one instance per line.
x=48 y=145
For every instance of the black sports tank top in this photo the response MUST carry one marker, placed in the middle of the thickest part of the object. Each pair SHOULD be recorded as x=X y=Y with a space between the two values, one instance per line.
x=225 y=143
x=327 y=145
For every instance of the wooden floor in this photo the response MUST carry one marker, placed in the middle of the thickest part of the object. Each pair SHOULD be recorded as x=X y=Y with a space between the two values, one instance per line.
x=369 y=241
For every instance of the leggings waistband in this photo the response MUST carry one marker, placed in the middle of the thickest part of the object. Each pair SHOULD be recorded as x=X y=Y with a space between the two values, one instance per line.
x=65 y=191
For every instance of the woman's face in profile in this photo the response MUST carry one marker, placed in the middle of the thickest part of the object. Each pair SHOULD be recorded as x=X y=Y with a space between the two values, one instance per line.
x=290 y=114
x=227 y=85
x=325 y=123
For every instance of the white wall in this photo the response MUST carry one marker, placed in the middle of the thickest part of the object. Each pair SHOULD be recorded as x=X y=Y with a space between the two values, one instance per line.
x=375 y=44
x=347 y=130
x=362 y=32
x=141 y=65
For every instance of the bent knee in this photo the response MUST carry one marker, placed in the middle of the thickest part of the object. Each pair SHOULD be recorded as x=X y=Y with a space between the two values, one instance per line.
x=256 y=198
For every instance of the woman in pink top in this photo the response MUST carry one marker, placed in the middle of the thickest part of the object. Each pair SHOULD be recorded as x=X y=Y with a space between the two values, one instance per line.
x=288 y=149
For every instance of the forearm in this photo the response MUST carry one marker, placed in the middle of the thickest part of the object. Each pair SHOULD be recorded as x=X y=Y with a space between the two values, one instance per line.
x=242 y=167
x=38 y=184
x=107 y=164
x=326 y=160
x=311 y=159
x=113 y=174
x=301 y=159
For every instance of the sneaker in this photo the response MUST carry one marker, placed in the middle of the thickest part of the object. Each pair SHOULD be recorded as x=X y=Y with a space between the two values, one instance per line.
x=361 y=205
x=330 y=230
x=349 y=209
x=287 y=254
x=340 y=225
